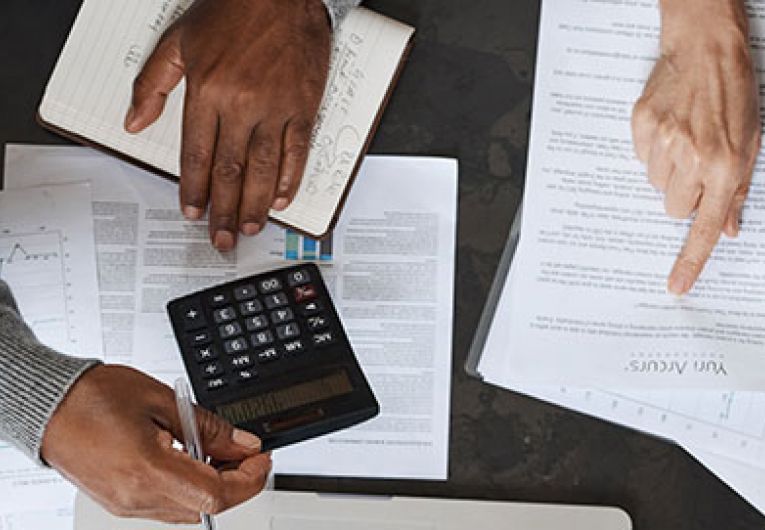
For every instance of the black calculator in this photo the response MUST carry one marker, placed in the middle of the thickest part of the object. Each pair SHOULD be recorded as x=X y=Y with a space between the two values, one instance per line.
x=269 y=354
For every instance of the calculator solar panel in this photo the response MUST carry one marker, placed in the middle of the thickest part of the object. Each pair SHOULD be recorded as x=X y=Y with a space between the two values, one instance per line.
x=269 y=354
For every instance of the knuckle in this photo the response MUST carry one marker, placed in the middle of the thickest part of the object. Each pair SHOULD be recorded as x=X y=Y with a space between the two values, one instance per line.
x=266 y=151
x=196 y=159
x=227 y=172
x=213 y=502
x=643 y=114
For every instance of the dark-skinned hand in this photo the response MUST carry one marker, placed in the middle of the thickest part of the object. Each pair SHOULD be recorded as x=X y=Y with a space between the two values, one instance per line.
x=255 y=75
x=112 y=436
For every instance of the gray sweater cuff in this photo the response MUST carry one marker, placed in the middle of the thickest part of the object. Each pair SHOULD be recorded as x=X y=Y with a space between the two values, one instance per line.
x=338 y=9
x=33 y=381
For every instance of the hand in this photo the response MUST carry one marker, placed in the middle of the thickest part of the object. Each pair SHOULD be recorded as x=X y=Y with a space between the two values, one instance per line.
x=112 y=437
x=697 y=124
x=255 y=72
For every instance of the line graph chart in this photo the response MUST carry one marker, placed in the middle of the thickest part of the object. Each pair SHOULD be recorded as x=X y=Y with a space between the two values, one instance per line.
x=33 y=265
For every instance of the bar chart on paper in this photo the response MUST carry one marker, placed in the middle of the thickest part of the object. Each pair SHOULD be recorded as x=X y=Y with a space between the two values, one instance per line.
x=298 y=247
x=33 y=265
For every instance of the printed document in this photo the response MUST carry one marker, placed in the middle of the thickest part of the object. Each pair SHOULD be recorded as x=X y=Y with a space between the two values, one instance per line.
x=586 y=301
x=47 y=256
x=390 y=267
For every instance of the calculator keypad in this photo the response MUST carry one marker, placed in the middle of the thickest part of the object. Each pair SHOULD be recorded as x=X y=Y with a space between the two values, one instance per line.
x=257 y=323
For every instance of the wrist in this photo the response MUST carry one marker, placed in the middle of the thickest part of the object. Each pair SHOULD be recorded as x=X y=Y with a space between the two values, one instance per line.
x=685 y=22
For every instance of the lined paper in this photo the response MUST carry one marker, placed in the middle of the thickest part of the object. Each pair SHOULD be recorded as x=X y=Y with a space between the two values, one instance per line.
x=91 y=87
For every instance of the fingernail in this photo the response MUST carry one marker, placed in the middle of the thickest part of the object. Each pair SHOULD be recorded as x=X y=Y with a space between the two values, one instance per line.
x=130 y=119
x=192 y=213
x=246 y=439
x=280 y=204
x=223 y=240
x=678 y=285
x=251 y=229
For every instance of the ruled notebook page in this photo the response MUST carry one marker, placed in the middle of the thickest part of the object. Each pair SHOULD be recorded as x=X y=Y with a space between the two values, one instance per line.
x=90 y=91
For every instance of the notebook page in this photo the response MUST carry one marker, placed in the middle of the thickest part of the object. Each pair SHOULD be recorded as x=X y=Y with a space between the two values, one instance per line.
x=90 y=91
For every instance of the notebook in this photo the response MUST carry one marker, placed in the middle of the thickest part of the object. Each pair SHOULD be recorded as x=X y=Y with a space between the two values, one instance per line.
x=89 y=93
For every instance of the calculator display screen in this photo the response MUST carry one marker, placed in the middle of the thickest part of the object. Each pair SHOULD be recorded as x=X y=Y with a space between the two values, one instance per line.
x=284 y=399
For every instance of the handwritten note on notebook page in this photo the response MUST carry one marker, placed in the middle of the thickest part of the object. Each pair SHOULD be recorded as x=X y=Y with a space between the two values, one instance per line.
x=90 y=91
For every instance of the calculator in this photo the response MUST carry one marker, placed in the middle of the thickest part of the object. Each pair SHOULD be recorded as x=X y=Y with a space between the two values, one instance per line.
x=269 y=354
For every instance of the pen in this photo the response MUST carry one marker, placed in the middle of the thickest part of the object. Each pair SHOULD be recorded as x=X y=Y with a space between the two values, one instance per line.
x=191 y=434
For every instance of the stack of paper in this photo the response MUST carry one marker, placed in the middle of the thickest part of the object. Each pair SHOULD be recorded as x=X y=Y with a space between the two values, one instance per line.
x=390 y=266
x=584 y=319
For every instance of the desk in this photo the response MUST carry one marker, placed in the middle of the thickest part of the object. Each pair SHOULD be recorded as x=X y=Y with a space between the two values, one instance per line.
x=466 y=93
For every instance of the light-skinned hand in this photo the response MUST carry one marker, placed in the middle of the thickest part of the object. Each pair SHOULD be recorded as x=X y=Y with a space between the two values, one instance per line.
x=697 y=124
x=112 y=436
x=255 y=75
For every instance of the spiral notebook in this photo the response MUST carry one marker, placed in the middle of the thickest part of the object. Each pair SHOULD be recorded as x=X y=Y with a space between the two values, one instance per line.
x=89 y=93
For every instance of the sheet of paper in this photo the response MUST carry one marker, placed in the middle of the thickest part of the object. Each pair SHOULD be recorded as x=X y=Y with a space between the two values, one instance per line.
x=745 y=479
x=393 y=285
x=47 y=256
x=90 y=90
x=390 y=265
x=590 y=306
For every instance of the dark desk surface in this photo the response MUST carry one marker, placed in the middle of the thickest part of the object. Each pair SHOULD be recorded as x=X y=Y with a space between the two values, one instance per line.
x=466 y=93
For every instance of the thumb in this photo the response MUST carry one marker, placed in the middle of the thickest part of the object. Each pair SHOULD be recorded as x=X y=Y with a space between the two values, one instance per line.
x=159 y=76
x=221 y=441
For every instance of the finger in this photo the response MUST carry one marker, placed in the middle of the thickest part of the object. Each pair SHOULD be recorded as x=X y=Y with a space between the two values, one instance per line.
x=660 y=163
x=200 y=128
x=682 y=197
x=247 y=480
x=733 y=221
x=192 y=484
x=220 y=439
x=227 y=180
x=260 y=181
x=704 y=234
x=644 y=125
x=159 y=76
x=297 y=144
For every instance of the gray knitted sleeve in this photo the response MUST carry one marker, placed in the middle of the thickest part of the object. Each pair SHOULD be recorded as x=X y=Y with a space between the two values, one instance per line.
x=339 y=8
x=33 y=379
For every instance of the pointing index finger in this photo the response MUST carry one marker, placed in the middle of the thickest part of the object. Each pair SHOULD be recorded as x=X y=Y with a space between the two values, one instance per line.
x=704 y=235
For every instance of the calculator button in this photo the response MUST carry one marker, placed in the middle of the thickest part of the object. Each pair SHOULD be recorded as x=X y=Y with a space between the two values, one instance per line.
x=212 y=370
x=205 y=354
x=318 y=322
x=311 y=308
x=256 y=323
x=245 y=292
x=294 y=347
x=200 y=338
x=251 y=307
x=262 y=339
x=235 y=346
x=215 y=384
x=268 y=355
x=282 y=315
x=269 y=285
x=304 y=293
x=219 y=299
x=245 y=376
x=227 y=314
x=276 y=300
x=242 y=361
x=288 y=331
x=323 y=339
x=230 y=330
x=193 y=318
x=296 y=278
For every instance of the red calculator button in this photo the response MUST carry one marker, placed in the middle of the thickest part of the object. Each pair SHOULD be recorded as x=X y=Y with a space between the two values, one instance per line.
x=305 y=293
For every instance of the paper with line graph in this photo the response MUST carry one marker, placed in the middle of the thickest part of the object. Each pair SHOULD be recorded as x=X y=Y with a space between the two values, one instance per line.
x=47 y=256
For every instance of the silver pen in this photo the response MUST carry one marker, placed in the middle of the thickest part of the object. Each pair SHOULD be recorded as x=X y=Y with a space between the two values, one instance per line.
x=191 y=434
